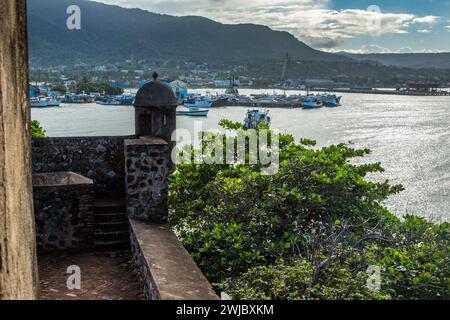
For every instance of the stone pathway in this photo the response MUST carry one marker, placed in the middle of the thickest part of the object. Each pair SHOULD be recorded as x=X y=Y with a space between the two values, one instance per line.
x=103 y=277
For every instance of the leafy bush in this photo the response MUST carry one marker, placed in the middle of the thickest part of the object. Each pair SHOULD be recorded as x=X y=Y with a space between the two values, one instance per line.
x=87 y=86
x=36 y=130
x=293 y=281
x=319 y=214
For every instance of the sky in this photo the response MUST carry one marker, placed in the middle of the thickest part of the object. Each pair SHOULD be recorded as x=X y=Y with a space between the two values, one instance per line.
x=359 y=26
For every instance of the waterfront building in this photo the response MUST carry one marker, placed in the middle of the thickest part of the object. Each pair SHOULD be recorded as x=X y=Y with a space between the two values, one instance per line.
x=179 y=88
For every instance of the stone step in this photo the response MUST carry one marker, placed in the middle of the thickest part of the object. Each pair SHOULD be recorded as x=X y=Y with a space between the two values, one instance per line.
x=111 y=236
x=112 y=226
x=110 y=217
x=112 y=246
x=109 y=205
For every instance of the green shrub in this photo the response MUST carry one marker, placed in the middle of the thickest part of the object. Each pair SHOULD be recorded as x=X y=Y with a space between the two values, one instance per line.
x=319 y=213
x=36 y=130
x=284 y=281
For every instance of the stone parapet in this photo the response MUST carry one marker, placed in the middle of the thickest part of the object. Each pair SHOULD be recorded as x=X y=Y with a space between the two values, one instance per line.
x=166 y=270
x=147 y=167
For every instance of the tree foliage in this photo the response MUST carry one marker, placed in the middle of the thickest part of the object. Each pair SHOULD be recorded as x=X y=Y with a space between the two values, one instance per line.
x=36 y=130
x=87 y=86
x=309 y=231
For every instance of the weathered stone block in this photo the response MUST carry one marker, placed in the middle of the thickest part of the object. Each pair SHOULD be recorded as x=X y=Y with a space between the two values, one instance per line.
x=64 y=210
x=98 y=158
x=147 y=168
x=166 y=270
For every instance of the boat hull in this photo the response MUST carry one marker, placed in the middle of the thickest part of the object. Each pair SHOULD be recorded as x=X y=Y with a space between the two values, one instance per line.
x=39 y=104
x=202 y=113
x=115 y=103
x=198 y=105
x=331 y=104
x=54 y=104
x=312 y=106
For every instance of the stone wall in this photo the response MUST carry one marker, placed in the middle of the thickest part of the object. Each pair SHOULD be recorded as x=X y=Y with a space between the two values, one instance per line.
x=98 y=158
x=166 y=270
x=147 y=169
x=146 y=280
x=64 y=211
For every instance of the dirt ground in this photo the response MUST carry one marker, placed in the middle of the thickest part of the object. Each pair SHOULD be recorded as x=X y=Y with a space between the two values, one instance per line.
x=103 y=277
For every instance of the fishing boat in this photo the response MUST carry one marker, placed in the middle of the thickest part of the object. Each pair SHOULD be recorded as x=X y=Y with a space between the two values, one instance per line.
x=109 y=101
x=193 y=112
x=78 y=98
x=330 y=100
x=233 y=88
x=256 y=116
x=38 y=103
x=53 y=102
x=199 y=102
x=127 y=100
x=312 y=102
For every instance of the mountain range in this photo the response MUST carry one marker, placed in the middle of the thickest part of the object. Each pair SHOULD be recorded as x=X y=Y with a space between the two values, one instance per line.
x=111 y=34
x=407 y=60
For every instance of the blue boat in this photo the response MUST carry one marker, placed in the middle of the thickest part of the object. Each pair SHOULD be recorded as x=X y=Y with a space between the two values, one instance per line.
x=109 y=101
x=127 y=100
x=330 y=100
x=256 y=116
x=312 y=102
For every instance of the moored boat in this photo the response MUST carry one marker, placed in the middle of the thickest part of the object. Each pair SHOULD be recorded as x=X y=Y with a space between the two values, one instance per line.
x=330 y=100
x=311 y=102
x=78 y=98
x=127 y=100
x=109 y=101
x=38 y=103
x=53 y=102
x=199 y=102
x=256 y=116
x=194 y=112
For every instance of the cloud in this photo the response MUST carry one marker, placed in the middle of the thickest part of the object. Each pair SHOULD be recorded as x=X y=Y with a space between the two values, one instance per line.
x=424 y=30
x=426 y=19
x=324 y=42
x=310 y=20
x=373 y=48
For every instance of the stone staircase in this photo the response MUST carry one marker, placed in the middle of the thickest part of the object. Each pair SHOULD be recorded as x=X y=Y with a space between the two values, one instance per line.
x=111 y=226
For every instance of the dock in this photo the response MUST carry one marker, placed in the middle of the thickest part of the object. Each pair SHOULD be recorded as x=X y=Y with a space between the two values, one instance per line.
x=389 y=92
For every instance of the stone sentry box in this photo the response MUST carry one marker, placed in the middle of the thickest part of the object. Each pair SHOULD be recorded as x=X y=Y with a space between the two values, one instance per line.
x=148 y=157
x=63 y=203
x=166 y=270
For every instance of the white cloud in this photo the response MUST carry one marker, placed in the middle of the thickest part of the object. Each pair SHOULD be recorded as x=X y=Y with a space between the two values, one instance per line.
x=426 y=19
x=373 y=48
x=424 y=30
x=309 y=20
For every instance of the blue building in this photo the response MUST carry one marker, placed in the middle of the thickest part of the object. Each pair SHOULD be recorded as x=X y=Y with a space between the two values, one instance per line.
x=33 y=91
x=179 y=88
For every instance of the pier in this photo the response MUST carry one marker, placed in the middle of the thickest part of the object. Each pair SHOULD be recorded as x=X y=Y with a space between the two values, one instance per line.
x=250 y=104
x=410 y=89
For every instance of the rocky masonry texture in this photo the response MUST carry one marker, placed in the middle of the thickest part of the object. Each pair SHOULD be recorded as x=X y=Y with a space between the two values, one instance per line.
x=98 y=158
x=63 y=204
x=166 y=270
x=147 y=169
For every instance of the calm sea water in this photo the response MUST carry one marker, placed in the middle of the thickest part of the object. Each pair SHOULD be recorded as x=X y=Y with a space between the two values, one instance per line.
x=410 y=136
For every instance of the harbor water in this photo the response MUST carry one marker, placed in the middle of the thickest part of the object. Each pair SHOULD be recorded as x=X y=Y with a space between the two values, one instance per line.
x=410 y=136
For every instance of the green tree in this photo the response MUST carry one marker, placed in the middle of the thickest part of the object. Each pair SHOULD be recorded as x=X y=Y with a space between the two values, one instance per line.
x=319 y=214
x=36 y=130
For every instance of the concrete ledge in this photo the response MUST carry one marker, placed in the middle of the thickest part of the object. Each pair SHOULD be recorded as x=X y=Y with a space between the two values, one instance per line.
x=166 y=270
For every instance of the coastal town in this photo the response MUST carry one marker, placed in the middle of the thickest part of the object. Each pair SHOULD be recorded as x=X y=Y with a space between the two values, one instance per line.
x=116 y=84
x=235 y=158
